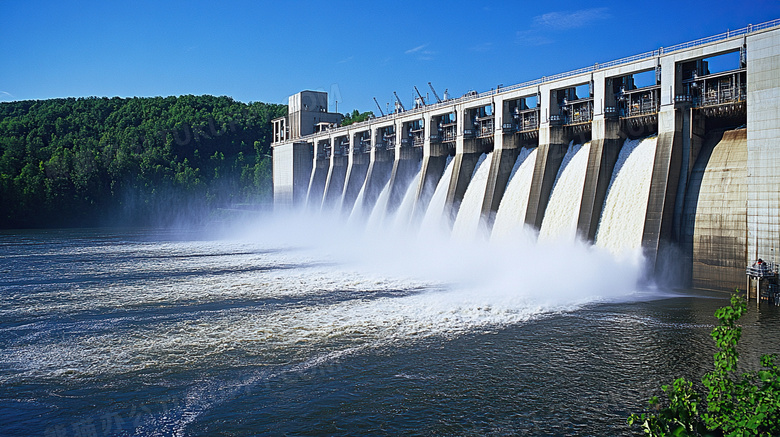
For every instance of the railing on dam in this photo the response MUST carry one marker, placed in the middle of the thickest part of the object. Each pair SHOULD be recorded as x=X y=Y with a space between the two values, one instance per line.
x=597 y=66
x=449 y=132
x=725 y=88
x=763 y=270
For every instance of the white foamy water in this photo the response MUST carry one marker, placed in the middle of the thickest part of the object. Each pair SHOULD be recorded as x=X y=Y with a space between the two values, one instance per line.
x=428 y=194
x=563 y=208
x=380 y=218
x=179 y=295
x=377 y=216
x=625 y=206
x=403 y=214
x=510 y=217
x=296 y=289
x=168 y=306
x=433 y=221
x=468 y=223
x=356 y=215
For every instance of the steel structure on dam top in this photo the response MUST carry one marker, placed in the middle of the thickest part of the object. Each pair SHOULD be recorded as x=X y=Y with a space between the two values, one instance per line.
x=703 y=119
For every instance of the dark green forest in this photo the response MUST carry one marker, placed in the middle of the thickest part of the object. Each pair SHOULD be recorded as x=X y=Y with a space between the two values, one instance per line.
x=356 y=117
x=104 y=161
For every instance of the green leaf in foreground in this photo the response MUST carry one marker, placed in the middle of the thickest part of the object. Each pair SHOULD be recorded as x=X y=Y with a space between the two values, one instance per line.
x=736 y=405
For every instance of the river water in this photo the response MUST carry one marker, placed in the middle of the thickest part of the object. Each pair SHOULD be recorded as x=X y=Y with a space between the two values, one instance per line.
x=254 y=331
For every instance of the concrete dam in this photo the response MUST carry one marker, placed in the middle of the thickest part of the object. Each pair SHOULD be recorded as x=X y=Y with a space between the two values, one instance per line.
x=675 y=152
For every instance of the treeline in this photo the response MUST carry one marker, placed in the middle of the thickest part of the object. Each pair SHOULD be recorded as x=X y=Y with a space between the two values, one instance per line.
x=95 y=161
x=356 y=117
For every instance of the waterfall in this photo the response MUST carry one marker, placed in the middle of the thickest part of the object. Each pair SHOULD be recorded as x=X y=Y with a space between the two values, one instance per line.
x=563 y=209
x=510 y=217
x=377 y=216
x=625 y=206
x=339 y=203
x=433 y=221
x=468 y=223
x=623 y=214
x=403 y=214
x=356 y=215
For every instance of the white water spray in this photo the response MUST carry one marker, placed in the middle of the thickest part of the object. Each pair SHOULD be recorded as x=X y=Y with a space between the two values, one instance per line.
x=403 y=215
x=510 y=217
x=433 y=221
x=377 y=216
x=468 y=223
x=356 y=215
x=356 y=290
x=563 y=208
x=625 y=206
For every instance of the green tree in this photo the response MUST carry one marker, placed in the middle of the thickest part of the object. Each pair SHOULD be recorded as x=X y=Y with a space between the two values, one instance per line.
x=70 y=162
x=356 y=117
x=744 y=405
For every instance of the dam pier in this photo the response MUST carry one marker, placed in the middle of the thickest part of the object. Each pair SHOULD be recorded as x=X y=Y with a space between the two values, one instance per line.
x=675 y=151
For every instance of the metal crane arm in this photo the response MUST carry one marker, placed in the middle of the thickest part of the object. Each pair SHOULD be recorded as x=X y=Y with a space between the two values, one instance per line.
x=399 y=101
x=420 y=95
x=438 y=99
x=380 y=108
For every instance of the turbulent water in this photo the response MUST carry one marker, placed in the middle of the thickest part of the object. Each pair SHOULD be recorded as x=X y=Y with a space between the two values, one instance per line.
x=510 y=217
x=625 y=206
x=563 y=208
x=377 y=216
x=403 y=215
x=356 y=213
x=303 y=324
x=434 y=221
x=297 y=326
x=468 y=223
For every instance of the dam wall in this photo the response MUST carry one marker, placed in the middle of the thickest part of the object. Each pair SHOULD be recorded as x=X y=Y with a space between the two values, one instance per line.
x=707 y=125
x=715 y=214
x=763 y=142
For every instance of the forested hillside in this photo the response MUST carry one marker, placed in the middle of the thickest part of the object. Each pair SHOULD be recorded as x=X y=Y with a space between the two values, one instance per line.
x=99 y=161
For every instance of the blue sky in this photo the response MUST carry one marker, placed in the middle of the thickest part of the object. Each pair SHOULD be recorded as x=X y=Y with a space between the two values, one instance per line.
x=265 y=51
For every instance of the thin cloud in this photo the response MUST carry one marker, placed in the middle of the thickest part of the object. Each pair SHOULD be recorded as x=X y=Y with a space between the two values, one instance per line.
x=6 y=96
x=344 y=61
x=420 y=53
x=571 y=20
x=542 y=25
x=416 y=49
x=532 y=38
